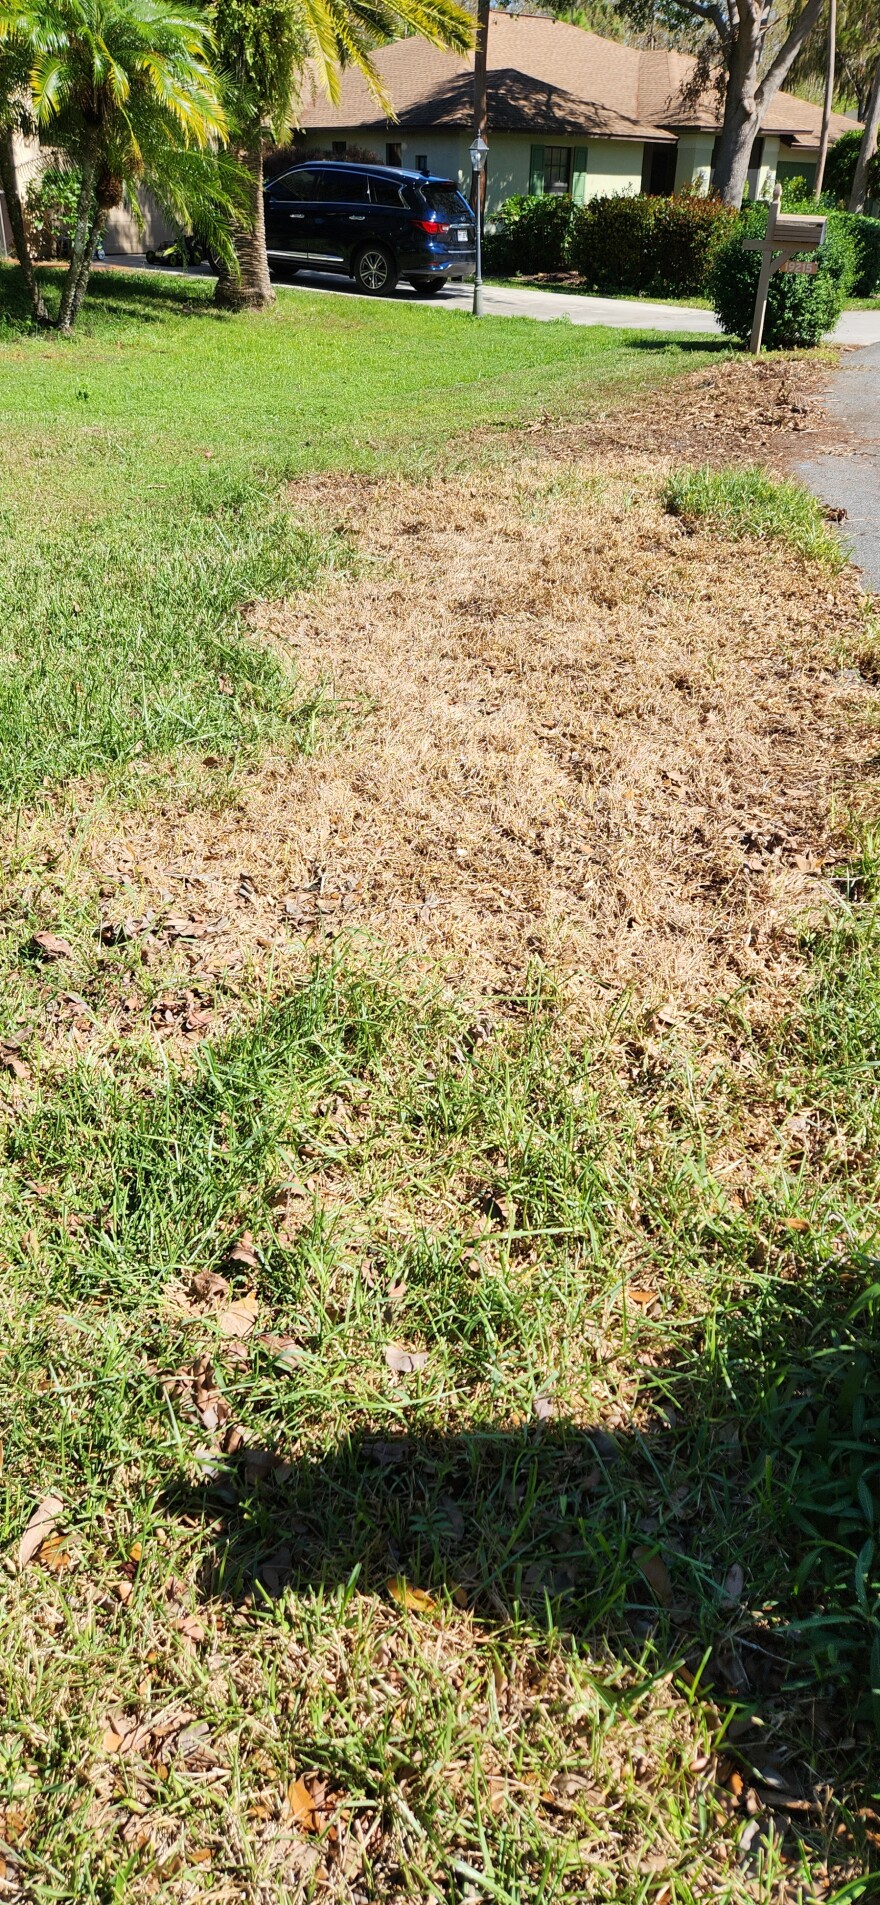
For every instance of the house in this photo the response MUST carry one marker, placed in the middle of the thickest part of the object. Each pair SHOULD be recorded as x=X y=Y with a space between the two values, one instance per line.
x=567 y=112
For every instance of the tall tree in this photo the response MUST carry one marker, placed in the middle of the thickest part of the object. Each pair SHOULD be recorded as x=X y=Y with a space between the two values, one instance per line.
x=867 y=148
x=16 y=121
x=831 y=61
x=857 y=50
x=264 y=45
x=747 y=52
x=124 y=89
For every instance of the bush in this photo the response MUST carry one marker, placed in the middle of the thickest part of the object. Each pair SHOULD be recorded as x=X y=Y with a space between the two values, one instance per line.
x=866 y=234
x=799 y=309
x=532 y=236
x=663 y=246
x=50 y=212
x=840 y=168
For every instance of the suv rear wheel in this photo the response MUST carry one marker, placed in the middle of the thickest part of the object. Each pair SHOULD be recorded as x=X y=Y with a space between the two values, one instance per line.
x=375 y=271
x=429 y=287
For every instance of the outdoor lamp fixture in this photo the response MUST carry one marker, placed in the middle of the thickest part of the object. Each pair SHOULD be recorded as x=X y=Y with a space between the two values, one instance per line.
x=478 y=160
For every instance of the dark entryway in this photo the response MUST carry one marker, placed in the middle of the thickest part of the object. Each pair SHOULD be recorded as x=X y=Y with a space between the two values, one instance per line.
x=658 y=169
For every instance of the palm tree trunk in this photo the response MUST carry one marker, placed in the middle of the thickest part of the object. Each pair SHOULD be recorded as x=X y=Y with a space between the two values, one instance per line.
x=81 y=248
x=250 y=287
x=829 y=98
x=12 y=195
x=79 y=289
x=867 y=148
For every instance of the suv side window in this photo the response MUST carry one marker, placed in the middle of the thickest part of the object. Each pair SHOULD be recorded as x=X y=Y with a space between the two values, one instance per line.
x=344 y=188
x=385 y=192
x=296 y=185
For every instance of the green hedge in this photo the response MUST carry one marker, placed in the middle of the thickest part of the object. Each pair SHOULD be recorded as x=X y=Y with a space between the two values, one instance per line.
x=532 y=235
x=663 y=246
x=799 y=309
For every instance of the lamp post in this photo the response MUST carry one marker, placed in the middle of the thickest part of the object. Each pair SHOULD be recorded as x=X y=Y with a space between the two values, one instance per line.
x=478 y=160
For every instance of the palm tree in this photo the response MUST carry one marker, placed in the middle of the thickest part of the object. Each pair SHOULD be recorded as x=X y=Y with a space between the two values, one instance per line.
x=125 y=91
x=263 y=46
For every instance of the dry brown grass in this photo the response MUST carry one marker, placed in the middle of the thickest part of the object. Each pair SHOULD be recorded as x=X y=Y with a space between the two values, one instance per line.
x=578 y=729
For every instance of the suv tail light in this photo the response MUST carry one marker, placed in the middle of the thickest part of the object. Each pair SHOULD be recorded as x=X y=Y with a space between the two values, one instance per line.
x=432 y=225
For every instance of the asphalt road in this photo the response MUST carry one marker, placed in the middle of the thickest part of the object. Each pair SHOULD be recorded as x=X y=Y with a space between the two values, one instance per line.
x=850 y=476
x=623 y=314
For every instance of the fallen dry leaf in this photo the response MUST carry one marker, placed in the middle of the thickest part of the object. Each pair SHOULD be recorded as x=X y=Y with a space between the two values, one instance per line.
x=243 y=1252
x=12 y=1063
x=656 y=1574
x=644 y=1298
x=54 y=1554
x=301 y=1804
x=239 y=1318
x=404 y=1361
x=413 y=1598
x=795 y=1223
x=51 y=946
x=207 y=1285
x=39 y=1528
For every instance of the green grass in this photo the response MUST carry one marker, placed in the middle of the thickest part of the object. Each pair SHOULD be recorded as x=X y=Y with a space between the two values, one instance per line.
x=752 y=503
x=477 y=1603
x=490 y=1201
x=143 y=495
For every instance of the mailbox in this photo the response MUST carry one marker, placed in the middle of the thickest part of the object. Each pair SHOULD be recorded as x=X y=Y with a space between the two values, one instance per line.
x=787 y=232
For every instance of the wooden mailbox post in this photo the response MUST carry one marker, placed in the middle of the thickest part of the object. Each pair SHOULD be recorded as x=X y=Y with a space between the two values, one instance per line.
x=787 y=232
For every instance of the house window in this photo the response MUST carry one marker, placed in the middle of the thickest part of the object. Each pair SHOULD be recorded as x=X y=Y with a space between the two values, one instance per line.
x=422 y=162
x=394 y=154
x=557 y=170
x=339 y=148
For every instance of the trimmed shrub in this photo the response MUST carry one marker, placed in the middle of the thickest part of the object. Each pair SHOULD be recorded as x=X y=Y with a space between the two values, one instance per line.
x=799 y=309
x=532 y=235
x=866 y=235
x=663 y=246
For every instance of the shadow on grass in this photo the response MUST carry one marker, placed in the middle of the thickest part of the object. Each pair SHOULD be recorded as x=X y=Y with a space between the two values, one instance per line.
x=145 y=297
x=611 y=1539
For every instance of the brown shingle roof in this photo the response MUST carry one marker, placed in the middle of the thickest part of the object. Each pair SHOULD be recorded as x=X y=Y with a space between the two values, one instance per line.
x=547 y=76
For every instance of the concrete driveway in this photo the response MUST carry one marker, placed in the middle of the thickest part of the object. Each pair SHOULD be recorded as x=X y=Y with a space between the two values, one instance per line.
x=622 y=314
x=849 y=476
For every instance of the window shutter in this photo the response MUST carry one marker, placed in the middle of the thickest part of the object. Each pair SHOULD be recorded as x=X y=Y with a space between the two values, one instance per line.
x=579 y=175
x=536 y=172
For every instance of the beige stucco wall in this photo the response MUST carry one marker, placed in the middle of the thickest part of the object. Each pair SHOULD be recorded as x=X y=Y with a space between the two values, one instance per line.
x=762 y=179
x=693 y=162
x=613 y=166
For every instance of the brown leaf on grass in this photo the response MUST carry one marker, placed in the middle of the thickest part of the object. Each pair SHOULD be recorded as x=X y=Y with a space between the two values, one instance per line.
x=795 y=1223
x=644 y=1298
x=51 y=946
x=39 y=1528
x=402 y=1361
x=54 y=1554
x=11 y=1062
x=208 y=1285
x=243 y=1252
x=544 y=1408
x=413 y=1598
x=302 y=1807
x=656 y=1574
x=239 y=1318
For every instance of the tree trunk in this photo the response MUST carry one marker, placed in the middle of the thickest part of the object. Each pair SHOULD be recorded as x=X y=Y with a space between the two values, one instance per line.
x=747 y=99
x=80 y=249
x=829 y=98
x=481 y=58
x=741 y=121
x=249 y=288
x=9 y=183
x=867 y=148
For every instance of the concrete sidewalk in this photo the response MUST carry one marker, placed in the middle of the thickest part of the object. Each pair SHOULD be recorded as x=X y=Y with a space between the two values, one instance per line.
x=621 y=314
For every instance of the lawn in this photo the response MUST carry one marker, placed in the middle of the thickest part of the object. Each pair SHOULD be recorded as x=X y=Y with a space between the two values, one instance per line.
x=438 y=1164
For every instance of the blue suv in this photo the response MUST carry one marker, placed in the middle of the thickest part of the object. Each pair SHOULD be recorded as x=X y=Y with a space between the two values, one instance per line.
x=373 y=223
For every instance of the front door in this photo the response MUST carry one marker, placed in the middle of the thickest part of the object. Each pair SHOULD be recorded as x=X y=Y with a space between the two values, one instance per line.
x=291 y=204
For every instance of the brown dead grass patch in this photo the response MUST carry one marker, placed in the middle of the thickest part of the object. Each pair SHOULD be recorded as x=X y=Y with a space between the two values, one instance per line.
x=578 y=730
